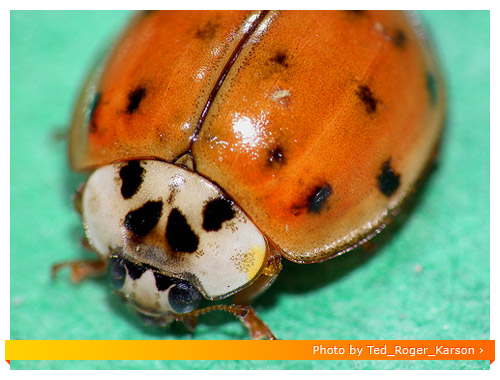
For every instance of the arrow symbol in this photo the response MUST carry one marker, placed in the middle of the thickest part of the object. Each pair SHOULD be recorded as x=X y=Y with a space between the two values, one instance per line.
x=481 y=350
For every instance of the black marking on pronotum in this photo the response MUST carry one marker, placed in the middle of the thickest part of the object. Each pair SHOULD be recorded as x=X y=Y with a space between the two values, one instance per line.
x=116 y=271
x=224 y=73
x=134 y=270
x=216 y=212
x=184 y=297
x=399 y=38
x=141 y=221
x=276 y=156
x=180 y=236
x=431 y=83
x=280 y=58
x=164 y=282
x=92 y=126
x=388 y=180
x=365 y=94
x=131 y=176
x=318 y=197
x=134 y=99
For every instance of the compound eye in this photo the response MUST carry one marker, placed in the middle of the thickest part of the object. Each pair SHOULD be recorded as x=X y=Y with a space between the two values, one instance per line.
x=184 y=298
x=116 y=271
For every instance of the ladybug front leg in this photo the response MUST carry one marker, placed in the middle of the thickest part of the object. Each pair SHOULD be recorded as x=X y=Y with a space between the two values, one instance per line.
x=190 y=323
x=81 y=269
x=246 y=314
x=256 y=326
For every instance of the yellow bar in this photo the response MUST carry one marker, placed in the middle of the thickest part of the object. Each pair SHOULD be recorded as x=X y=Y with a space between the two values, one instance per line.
x=250 y=350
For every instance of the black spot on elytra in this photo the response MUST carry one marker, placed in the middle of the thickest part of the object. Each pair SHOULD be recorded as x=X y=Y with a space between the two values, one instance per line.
x=184 y=297
x=164 y=282
x=388 y=180
x=355 y=12
x=280 y=58
x=116 y=271
x=131 y=176
x=317 y=199
x=207 y=31
x=314 y=202
x=94 y=103
x=134 y=99
x=180 y=236
x=216 y=212
x=399 y=39
x=276 y=156
x=134 y=270
x=141 y=221
x=431 y=83
x=365 y=94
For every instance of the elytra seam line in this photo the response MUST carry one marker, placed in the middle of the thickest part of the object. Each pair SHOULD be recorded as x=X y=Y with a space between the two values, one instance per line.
x=223 y=75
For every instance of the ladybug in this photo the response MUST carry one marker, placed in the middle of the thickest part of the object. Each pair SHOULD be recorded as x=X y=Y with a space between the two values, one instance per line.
x=219 y=142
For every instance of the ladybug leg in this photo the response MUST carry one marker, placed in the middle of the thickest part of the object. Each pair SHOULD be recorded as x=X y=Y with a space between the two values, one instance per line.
x=190 y=323
x=77 y=199
x=60 y=134
x=81 y=269
x=258 y=329
x=246 y=314
x=369 y=247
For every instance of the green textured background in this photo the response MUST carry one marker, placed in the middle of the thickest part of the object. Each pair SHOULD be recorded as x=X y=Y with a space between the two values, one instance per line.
x=378 y=295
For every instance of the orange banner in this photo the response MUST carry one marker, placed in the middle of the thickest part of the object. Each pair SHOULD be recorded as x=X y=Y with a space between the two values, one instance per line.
x=250 y=350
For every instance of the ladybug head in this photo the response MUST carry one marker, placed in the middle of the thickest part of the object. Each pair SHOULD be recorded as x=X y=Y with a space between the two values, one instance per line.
x=170 y=236
x=154 y=295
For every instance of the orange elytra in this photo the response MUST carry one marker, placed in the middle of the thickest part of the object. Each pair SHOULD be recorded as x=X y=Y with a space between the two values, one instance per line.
x=220 y=141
